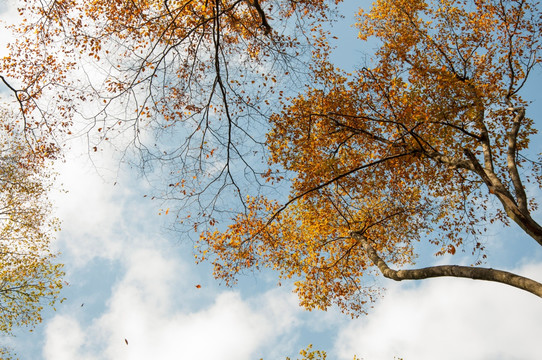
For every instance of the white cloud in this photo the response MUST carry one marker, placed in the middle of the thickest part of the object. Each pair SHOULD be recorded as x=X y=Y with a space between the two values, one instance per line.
x=146 y=308
x=154 y=304
x=449 y=319
x=90 y=209
x=67 y=338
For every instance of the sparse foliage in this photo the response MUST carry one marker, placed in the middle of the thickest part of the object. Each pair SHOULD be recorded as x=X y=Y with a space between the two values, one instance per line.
x=309 y=354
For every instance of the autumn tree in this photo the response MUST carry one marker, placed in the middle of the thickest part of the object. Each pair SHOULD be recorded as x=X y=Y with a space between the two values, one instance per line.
x=30 y=278
x=412 y=147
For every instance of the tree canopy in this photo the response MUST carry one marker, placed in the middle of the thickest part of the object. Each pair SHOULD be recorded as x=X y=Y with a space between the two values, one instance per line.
x=426 y=142
x=412 y=148
x=30 y=277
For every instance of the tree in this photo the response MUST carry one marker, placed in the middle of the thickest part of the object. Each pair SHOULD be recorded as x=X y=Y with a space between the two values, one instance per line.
x=411 y=148
x=30 y=278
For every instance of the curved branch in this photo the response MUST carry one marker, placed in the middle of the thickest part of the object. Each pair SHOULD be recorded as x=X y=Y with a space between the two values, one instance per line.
x=521 y=197
x=17 y=97
x=265 y=24
x=468 y=272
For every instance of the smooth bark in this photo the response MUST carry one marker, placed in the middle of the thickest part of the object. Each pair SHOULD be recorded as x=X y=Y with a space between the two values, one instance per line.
x=476 y=273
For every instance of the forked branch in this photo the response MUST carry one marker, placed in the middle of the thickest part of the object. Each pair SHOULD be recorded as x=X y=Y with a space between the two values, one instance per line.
x=265 y=24
x=468 y=272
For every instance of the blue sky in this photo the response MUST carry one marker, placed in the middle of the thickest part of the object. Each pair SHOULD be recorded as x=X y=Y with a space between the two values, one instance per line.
x=132 y=279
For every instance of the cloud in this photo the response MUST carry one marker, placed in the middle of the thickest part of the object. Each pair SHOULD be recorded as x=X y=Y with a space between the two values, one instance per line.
x=229 y=329
x=448 y=319
x=152 y=307
x=90 y=208
x=153 y=303
x=67 y=345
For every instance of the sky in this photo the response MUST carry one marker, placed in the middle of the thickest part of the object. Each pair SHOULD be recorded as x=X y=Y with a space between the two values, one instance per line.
x=133 y=290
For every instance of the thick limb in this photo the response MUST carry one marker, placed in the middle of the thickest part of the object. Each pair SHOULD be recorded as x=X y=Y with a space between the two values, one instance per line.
x=468 y=272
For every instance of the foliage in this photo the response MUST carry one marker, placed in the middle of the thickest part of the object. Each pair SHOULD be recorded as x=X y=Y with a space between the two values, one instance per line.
x=30 y=279
x=309 y=354
x=412 y=147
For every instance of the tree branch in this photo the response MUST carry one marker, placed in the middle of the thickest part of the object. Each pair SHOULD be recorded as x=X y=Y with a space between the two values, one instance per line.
x=485 y=140
x=521 y=217
x=468 y=272
x=521 y=197
x=265 y=25
x=335 y=179
x=449 y=161
x=17 y=97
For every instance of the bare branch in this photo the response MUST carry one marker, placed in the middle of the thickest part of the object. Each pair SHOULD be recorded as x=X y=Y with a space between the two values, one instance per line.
x=265 y=25
x=468 y=272
x=521 y=197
